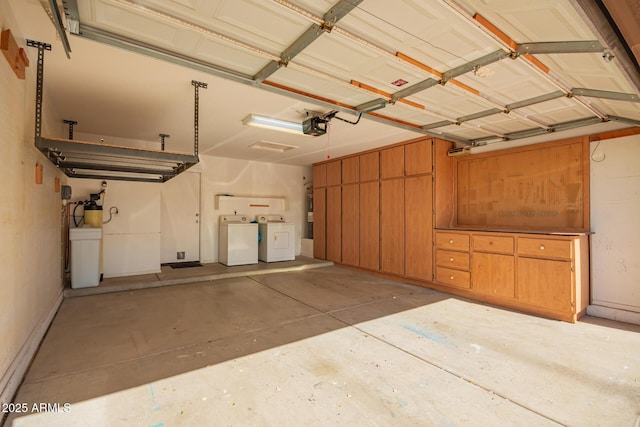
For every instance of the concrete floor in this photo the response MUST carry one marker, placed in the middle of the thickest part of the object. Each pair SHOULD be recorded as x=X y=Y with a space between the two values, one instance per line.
x=325 y=346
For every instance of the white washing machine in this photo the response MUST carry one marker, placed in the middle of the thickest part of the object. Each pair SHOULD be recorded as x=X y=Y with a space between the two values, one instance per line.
x=238 y=240
x=277 y=239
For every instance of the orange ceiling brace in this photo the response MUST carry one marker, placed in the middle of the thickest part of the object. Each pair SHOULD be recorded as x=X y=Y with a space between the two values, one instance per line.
x=418 y=64
x=464 y=86
x=385 y=94
x=496 y=31
x=509 y=41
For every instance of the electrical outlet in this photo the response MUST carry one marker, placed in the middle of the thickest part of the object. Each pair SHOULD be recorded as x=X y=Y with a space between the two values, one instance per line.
x=180 y=255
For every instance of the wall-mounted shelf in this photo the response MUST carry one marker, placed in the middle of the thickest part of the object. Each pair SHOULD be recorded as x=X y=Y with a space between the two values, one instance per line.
x=247 y=202
x=82 y=159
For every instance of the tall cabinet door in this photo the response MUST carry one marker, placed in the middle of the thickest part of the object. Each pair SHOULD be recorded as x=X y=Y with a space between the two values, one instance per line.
x=350 y=226
x=319 y=223
x=419 y=227
x=392 y=226
x=334 y=221
x=370 y=225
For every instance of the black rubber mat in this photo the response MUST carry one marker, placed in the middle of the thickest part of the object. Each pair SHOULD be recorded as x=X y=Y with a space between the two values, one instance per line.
x=183 y=264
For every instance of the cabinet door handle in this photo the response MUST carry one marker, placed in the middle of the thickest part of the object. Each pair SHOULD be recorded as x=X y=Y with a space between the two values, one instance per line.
x=542 y=247
x=451 y=277
x=451 y=241
x=451 y=259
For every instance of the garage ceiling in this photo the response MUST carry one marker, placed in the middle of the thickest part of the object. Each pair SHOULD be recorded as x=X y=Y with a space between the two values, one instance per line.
x=472 y=71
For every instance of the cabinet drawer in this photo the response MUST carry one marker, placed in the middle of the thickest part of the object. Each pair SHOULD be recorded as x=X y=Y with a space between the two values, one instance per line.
x=544 y=248
x=447 y=276
x=452 y=259
x=452 y=241
x=494 y=244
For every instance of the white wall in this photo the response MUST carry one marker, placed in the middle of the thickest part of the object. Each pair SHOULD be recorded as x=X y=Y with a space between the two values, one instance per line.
x=132 y=238
x=30 y=222
x=240 y=177
x=615 y=220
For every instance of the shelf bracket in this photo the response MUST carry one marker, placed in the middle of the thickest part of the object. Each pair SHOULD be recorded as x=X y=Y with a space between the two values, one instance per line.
x=39 y=81
x=197 y=85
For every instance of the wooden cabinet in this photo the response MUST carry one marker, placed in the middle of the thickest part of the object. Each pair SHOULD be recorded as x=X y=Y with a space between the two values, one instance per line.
x=418 y=158
x=443 y=186
x=394 y=211
x=493 y=244
x=452 y=259
x=452 y=241
x=334 y=172
x=540 y=274
x=392 y=162
x=419 y=227
x=544 y=248
x=367 y=220
x=351 y=170
x=493 y=266
x=547 y=273
x=370 y=225
x=392 y=235
x=350 y=224
x=545 y=283
x=319 y=223
x=370 y=166
x=493 y=274
x=334 y=224
x=457 y=278
x=319 y=175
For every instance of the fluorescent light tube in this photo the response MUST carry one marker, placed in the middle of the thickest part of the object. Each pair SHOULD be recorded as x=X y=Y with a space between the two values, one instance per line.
x=273 y=124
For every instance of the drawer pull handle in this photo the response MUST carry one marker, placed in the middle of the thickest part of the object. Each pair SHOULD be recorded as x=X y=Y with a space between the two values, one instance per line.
x=542 y=247
x=451 y=277
x=451 y=241
x=451 y=259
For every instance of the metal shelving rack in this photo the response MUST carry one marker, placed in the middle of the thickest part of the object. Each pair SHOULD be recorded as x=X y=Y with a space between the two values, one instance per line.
x=81 y=159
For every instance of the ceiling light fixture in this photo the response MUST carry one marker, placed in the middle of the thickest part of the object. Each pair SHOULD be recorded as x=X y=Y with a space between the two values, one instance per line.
x=273 y=124
x=272 y=146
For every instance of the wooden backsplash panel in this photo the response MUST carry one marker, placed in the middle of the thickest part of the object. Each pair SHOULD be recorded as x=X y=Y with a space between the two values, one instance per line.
x=544 y=188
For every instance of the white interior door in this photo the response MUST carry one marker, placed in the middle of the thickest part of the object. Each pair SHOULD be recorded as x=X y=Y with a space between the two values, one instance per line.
x=615 y=208
x=180 y=218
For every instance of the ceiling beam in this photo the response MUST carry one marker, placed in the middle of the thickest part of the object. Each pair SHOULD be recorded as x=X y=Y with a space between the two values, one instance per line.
x=140 y=47
x=605 y=94
x=337 y=12
x=624 y=120
x=438 y=124
x=589 y=46
x=418 y=87
x=470 y=66
x=535 y=100
x=479 y=115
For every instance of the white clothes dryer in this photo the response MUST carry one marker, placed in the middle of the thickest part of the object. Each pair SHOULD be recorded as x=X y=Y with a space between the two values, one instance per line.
x=277 y=239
